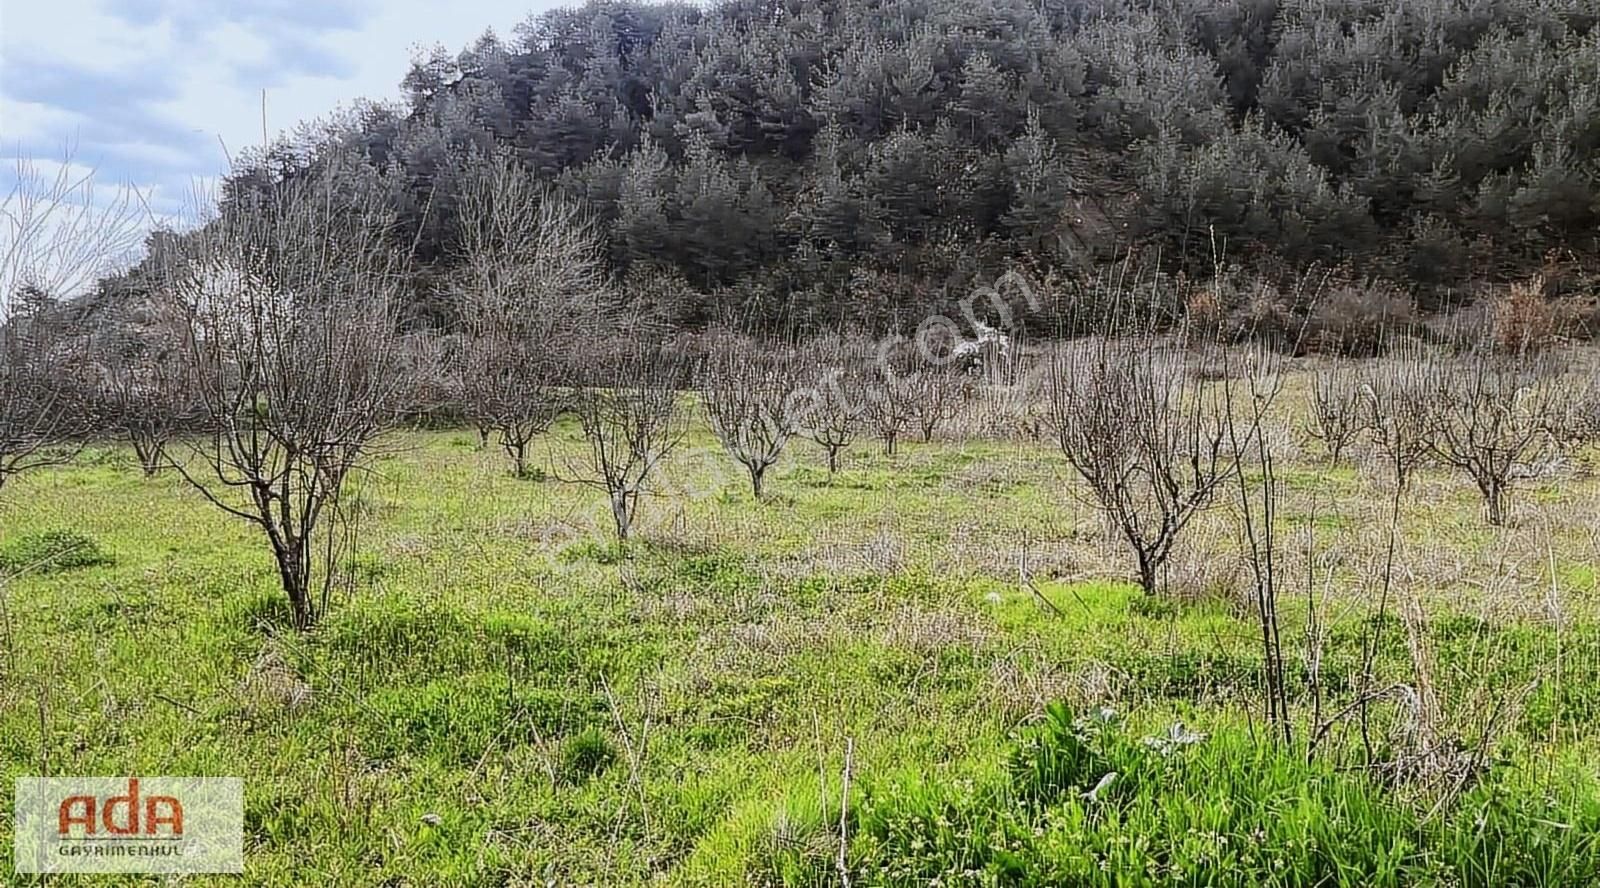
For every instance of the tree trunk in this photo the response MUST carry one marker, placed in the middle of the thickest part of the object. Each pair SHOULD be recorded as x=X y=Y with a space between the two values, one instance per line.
x=519 y=457
x=149 y=451
x=1147 y=573
x=294 y=573
x=757 y=473
x=621 y=514
x=483 y=437
x=833 y=460
x=1494 y=500
x=888 y=444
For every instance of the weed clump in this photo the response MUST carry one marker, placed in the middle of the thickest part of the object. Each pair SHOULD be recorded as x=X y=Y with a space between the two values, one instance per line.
x=585 y=754
x=1084 y=800
x=52 y=552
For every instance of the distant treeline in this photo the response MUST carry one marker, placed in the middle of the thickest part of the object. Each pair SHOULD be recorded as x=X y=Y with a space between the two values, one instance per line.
x=829 y=162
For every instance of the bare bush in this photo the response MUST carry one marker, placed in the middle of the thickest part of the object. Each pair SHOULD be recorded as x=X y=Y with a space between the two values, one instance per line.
x=749 y=392
x=1151 y=447
x=286 y=298
x=1521 y=319
x=631 y=422
x=1579 y=423
x=1358 y=319
x=1338 y=411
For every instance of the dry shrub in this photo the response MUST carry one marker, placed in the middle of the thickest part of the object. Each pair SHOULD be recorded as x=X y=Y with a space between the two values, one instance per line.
x=1205 y=568
x=1203 y=313
x=1521 y=318
x=999 y=413
x=1357 y=320
x=1262 y=313
x=1025 y=681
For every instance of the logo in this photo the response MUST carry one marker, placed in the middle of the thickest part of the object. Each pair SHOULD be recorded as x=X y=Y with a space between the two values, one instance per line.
x=129 y=825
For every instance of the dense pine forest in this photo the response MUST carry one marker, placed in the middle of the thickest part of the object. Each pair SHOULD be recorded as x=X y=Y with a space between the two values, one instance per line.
x=832 y=161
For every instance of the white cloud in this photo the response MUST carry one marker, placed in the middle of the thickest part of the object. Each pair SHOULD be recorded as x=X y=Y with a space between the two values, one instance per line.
x=150 y=90
x=84 y=32
x=30 y=122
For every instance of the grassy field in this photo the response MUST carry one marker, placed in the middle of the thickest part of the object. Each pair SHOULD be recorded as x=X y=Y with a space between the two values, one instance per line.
x=501 y=696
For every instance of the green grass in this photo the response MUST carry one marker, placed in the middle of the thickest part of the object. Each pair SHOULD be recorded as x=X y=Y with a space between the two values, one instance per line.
x=501 y=695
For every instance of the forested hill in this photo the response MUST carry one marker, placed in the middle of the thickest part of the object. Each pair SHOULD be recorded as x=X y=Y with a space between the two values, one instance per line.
x=844 y=158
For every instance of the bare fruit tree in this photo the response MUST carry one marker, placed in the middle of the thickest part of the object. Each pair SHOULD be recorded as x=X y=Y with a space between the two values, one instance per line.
x=1398 y=415
x=890 y=405
x=289 y=338
x=1248 y=420
x=1152 y=448
x=58 y=236
x=46 y=401
x=510 y=390
x=628 y=408
x=146 y=395
x=144 y=392
x=832 y=413
x=1338 y=411
x=749 y=391
x=532 y=282
x=935 y=394
x=1492 y=416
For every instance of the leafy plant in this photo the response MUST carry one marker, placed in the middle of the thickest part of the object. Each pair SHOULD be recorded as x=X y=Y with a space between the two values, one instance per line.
x=51 y=552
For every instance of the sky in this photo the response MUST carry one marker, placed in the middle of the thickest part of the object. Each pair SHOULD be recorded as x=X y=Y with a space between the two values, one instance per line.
x=157 y=93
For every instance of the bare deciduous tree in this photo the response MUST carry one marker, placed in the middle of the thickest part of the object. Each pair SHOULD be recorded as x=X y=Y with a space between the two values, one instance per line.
x=1246 y=419
x=935 y=394
x=1151 y=448
x=631 y=422
x=510 y=390
x=1398 y=417
x=58 y=235
x=45 y=400
x=749 y=391
x=833 y=414
x=532 y=282
x=1491 y=417
x=290 y=341
x=1338 y=412
x=144 y=389
x=890 y=406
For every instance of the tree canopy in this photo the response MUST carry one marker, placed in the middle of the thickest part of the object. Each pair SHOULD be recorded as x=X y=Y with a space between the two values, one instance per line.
x=777 y=153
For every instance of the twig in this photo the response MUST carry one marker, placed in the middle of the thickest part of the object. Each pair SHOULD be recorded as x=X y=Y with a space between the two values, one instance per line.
x=633 y=755
x=844 y=814
x=180 y=704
